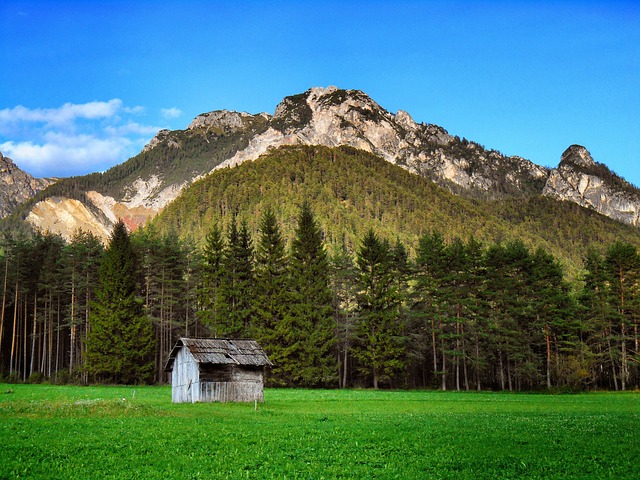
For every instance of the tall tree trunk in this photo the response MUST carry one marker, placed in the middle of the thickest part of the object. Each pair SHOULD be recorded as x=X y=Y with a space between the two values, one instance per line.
x=509 y=382
x=43 y=342
x=4 y=298
x=464 y=362
x=57 y=367
x=14 y=333
x=87 y=327
x=478 y=386
x=548 y=340
x=50 y=343
x=501 y=367
x=444 y=364
x=345 y=367
x=33 y=334
x=612 y=360
x=73 y=325
x=25 y=336
x=624 y=367
x=457 y=354
x=434 y=346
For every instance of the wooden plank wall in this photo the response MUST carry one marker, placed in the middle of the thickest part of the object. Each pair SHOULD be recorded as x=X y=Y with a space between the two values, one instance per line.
x=222 y=383
x=231 y=392
x=185 y=378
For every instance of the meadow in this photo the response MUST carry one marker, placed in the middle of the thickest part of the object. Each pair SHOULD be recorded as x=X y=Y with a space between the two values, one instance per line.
x=51 y=431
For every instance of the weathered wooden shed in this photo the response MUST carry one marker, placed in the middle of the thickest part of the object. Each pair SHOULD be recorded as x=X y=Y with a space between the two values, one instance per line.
x=217 y=370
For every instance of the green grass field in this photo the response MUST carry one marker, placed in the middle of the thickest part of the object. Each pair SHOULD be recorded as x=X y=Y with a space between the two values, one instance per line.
x=136 y=432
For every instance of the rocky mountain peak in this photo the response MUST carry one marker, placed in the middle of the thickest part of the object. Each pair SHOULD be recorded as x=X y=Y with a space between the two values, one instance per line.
x=223 y=120
x=582 y=180
x=404 y=120
x=330 y=116
x=160 y=137
x=577 y=155
x=16 y=185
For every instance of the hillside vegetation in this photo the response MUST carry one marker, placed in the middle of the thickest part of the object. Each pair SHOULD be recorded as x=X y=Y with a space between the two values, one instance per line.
x=352 y=191
x=189 y=153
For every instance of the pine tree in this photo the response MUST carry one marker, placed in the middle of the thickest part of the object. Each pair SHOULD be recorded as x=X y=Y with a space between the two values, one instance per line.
x=211 y=277
x=310 y=359
x=427 y=312
x=344 y=277
x=554 y=314
x=236 y=287
x=596 y=331
x=381 y=344
x=82 y=260
x=120 y=343
x=623 y=270
x=272 y=297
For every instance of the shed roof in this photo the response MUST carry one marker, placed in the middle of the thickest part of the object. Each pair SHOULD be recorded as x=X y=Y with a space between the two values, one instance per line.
x=221 y=351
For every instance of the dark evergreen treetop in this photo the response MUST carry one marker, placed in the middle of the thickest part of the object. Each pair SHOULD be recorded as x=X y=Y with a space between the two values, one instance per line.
x=311 y=311
x=120 y=343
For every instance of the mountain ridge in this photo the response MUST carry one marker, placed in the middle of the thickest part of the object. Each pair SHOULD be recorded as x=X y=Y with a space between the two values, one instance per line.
x=17 y=186
x=143 y=186
x=353 y=191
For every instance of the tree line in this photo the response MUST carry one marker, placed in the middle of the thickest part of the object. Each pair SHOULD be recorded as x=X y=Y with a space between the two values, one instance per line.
x=456 y=314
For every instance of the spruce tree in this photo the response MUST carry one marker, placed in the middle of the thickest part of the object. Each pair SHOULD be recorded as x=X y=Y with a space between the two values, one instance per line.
x=211 y=277
x=82 y=260
x=623 y=271
x=310 y=359
x=595 y=329
x=236 y=286
x=272 y=297
x=344 y=278
x=120 y=343
x=427 y=312
x=380 y=348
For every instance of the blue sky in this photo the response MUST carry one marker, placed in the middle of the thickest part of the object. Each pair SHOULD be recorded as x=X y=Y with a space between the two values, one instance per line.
x=84 y=85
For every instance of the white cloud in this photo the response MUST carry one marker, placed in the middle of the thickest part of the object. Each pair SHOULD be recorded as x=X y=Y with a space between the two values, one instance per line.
x=132 y=128
x=65 y=156
x=74 y=139
x=134 y=110
x=172 y=112
x=66 y=114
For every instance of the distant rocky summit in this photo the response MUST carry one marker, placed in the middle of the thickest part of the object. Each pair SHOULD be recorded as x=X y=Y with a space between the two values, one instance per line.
x=581 y=180
x=16 y=186
x=333 y=117
x=141 y=187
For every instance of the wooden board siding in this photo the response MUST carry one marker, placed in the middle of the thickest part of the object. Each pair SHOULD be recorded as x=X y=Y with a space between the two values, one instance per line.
x=185 y=378
x=231 y=392
x=230 y=383
x=217 y=370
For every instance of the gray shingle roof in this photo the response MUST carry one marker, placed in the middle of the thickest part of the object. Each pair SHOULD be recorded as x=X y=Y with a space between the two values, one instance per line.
x=220 y=351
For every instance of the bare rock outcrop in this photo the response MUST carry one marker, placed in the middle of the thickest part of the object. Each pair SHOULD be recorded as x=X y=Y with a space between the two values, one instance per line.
x=580 y=179
x=332 y=117
x=16 y=186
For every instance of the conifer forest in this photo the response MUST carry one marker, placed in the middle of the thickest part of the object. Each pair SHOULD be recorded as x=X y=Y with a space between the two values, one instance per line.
x=449 y=314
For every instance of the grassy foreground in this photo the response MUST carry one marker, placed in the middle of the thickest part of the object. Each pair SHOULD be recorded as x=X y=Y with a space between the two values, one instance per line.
x=136 y=432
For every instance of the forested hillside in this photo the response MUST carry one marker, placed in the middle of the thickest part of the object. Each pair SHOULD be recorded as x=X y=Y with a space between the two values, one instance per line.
x=458 y=314
x=348 y=270
x=353 y=191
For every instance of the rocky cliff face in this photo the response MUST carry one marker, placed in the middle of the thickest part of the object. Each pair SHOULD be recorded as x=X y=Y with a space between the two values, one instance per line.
x=580 y=179
x=140 y=188
x=16 y=186
x=332 y=117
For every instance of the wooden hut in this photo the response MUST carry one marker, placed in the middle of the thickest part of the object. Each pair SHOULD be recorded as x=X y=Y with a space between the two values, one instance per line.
x=217 y=370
